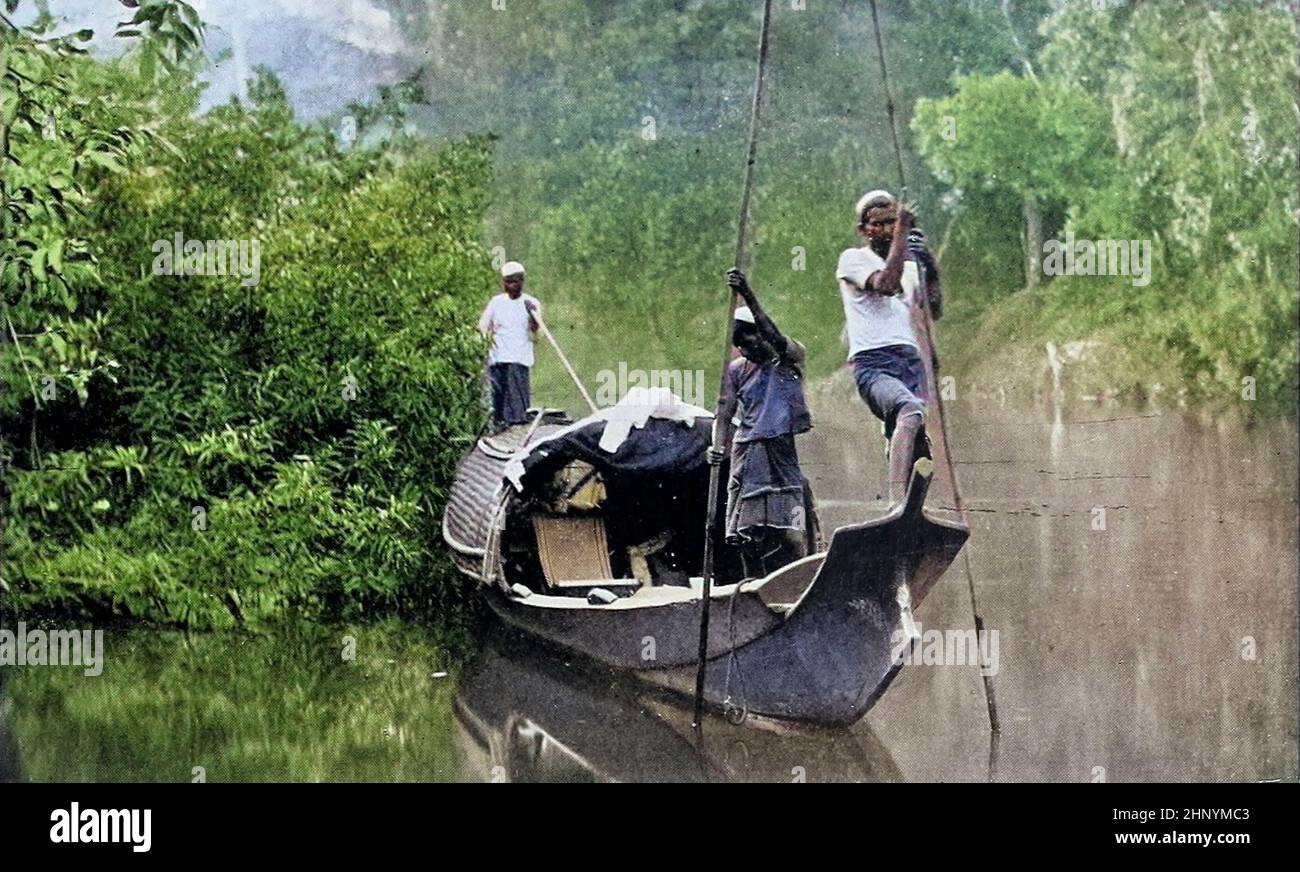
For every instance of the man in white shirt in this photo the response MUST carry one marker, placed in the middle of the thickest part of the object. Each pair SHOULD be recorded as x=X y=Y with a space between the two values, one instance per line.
x=510 y=320
x=882 y=344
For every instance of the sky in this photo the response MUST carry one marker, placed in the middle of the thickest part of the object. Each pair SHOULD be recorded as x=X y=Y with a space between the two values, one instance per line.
x=327 y=53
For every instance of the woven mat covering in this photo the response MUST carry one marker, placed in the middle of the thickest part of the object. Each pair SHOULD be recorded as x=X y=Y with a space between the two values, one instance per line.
x=572 y=549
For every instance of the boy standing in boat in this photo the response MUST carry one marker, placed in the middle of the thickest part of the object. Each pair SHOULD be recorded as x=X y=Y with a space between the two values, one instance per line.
x=510 y=321
x=883 y=349
x=763 y=409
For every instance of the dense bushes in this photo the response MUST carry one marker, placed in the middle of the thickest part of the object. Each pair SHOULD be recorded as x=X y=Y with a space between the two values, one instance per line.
x=241 y=449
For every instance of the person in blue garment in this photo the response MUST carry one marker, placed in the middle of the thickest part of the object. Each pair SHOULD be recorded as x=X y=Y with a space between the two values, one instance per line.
x=763 y=410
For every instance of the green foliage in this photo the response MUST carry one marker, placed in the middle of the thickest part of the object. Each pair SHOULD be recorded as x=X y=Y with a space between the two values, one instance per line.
x=1150 y=123
x=1016 y=136
x=65 y=123
x=205 y=450
x=979 y=37
x=246 y=707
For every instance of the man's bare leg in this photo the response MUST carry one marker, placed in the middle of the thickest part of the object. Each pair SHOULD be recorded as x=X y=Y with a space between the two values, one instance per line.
x=909 y=434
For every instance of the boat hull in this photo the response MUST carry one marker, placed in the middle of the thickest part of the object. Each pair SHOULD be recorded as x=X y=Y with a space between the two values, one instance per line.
x=826 y=660
x=838 y=650
x=658 y=637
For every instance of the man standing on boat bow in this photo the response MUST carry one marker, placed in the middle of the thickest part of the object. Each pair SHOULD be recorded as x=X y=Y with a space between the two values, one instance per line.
x=763 y=409
x=510 y=321
x=877 y=293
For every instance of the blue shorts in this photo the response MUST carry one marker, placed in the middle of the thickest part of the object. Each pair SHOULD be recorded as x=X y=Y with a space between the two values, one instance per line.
x=888 y=378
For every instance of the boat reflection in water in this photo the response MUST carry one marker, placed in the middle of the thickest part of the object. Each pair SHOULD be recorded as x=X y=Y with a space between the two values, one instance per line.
x=526 y=714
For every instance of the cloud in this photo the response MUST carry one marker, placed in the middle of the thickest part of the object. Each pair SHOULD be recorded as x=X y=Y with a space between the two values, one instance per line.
x=357 y=23
x=327 y=52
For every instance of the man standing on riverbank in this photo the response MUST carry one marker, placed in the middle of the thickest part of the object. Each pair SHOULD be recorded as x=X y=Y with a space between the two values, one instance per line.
x=510 y=320
x=883 y=350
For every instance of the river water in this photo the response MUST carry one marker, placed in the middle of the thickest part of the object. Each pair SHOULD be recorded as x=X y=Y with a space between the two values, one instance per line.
x=1138 y=567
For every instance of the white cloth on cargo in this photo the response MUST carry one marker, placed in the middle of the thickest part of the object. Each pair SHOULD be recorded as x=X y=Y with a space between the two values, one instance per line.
x=640 y=405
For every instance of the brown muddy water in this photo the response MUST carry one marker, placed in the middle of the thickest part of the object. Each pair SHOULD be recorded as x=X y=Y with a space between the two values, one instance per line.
x=1138 y=567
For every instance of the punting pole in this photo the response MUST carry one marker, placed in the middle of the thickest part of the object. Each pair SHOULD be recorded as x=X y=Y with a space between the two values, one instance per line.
x=742 y=227
x=889 y=102
x=924 y=306
x=568 y=367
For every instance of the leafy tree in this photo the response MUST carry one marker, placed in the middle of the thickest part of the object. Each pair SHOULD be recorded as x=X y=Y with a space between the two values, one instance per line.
x=234 y=451
x=65 y=123
x=1146 y=123
x=1040 y=143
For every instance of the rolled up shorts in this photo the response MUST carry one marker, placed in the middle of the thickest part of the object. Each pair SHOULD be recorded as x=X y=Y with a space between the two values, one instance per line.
x=887 y=379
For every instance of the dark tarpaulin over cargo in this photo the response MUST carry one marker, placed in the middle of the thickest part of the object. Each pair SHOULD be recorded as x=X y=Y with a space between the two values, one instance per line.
x=660 y=452
x=657 y=479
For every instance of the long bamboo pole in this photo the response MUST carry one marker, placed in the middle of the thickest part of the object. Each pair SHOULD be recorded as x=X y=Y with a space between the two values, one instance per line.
x=742 y=241
x=924 y=305
x=564 y=360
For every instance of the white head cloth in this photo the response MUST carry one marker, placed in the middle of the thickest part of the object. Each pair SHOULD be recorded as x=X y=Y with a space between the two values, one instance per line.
x=868 y=197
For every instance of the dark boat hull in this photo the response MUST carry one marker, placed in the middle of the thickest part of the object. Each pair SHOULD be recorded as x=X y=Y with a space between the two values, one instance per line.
x=536 y=718
x=826 y=661
x=837 y=652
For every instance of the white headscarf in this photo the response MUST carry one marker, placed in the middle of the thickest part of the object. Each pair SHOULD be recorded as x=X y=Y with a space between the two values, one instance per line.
x=868 y=197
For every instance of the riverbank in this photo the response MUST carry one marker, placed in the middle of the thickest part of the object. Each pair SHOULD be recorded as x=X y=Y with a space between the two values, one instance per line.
x=1075 y=340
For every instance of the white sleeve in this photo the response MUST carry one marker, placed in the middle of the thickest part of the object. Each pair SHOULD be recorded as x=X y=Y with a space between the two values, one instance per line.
x=856 y=266
x=485 y=320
